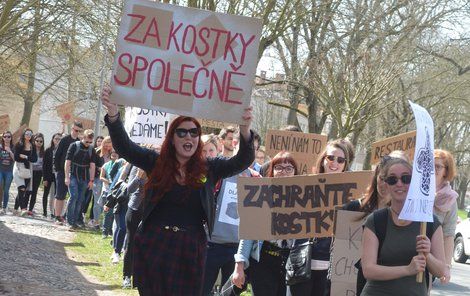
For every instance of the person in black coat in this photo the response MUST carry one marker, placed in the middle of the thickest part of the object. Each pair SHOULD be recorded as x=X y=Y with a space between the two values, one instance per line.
x=170 y=246
x=48 y=175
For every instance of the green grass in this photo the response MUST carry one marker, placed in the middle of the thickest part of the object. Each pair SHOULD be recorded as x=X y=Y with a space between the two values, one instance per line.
x=462 y=214
x=89 y=246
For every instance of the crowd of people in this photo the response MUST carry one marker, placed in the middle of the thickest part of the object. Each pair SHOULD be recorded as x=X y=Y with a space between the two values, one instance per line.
x=162 y=207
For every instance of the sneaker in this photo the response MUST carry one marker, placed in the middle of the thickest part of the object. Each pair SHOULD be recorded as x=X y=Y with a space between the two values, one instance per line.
x=2 y=212
x=31 y=213
x=91 y=223
x=72 y=228
x=115 y=258
x=104 y=236
x=80 y=225
x=24 y=213
x=126 y=283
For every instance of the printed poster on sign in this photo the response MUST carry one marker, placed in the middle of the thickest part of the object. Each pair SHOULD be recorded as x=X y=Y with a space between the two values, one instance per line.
x=146 y=126
x=420 y=199
x=228 y=209
x=185 y=61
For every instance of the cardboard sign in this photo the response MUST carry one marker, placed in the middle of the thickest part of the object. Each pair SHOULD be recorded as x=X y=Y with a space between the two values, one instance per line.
x=304 y=147
x=213 y=123
x=4 y=123
x=295 y=207
x=185 y=61
x=17 y=134
x=404 y=142
x=419 y=202
x=87 y=123
x=146 y=126
x=65 y=111
x=347 y=248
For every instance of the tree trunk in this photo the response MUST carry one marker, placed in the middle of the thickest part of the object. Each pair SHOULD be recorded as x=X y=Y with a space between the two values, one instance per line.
x=294 y=102
x=29 y=96
x=462 y=191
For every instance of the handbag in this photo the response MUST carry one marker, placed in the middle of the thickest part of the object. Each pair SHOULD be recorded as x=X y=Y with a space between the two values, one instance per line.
x=298 y=266
x=23 y=172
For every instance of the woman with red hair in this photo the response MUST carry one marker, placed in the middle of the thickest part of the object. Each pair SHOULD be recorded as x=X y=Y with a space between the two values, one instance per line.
x=170 y=245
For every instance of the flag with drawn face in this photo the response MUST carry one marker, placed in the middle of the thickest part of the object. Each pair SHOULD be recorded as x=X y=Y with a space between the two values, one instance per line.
x=420 y=199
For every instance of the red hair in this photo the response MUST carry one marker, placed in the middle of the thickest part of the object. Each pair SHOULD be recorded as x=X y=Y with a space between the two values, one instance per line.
x=282 y=157
x=163 y=175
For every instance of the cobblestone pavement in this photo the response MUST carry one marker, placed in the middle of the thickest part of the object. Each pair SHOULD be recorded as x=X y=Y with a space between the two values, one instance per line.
x=33 y=259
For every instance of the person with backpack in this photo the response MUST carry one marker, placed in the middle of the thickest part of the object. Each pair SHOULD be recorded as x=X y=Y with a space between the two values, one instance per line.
x=391 y=260
x=59 y=167
x=79 y=175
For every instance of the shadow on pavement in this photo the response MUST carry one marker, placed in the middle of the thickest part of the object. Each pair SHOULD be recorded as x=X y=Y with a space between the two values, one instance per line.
x=33 y=265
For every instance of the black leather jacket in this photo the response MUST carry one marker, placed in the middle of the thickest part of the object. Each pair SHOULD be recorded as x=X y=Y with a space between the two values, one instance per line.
x=218 y=168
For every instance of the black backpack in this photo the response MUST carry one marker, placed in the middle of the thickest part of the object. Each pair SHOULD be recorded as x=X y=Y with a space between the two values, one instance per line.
x=380 y=224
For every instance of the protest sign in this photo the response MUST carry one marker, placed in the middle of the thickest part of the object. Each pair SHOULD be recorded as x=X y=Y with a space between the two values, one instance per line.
x=295 y=207
x=346 y=252
x=304 y=147
x=146 y=126
x=213 y=123
x=65 y=111
x=185 y=61
x=4 y=123
x=17 y=134
x=404 y=142
x=86 y=123
x=420 y=198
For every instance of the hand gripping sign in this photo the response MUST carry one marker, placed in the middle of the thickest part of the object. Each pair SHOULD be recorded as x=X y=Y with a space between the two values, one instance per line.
x=185 y=61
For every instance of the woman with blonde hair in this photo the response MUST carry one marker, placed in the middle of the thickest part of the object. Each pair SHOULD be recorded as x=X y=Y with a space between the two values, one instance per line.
x=445 y=203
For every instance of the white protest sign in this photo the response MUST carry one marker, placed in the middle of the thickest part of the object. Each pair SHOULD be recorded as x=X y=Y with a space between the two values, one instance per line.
x=185 y=61
x=228 y=209
x=146 y=126
x=420 y=199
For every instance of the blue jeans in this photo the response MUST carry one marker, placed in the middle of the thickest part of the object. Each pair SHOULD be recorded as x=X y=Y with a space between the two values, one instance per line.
x=77 y=190
x=219 y=256
x=5 y=180
x=120 y=233
x=97 y=207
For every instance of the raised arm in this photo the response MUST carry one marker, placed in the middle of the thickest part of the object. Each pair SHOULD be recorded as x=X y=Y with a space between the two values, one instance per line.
x=139 y=156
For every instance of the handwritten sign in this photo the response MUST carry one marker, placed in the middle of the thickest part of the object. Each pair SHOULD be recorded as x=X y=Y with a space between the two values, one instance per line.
x=87 y=123
x=213 y=123
x=304 y=147
x=404 y=142
x=4 y=122
x=347 y=248
x=65 y=111
x=295 y=207
x=146 y=126
x=185 y=61
x=228 y=209
x=420 y=198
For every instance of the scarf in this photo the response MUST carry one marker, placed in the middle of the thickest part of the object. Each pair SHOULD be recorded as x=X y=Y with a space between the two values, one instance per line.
x=445 y=198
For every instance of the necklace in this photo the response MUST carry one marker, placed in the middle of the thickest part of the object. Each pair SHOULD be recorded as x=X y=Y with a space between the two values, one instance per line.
x=399 y=221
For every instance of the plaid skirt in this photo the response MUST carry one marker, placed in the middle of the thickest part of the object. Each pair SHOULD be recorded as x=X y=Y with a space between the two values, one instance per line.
x=169 y=263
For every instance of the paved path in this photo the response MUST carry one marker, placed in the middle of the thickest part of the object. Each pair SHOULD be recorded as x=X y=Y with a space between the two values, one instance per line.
x=33 y=259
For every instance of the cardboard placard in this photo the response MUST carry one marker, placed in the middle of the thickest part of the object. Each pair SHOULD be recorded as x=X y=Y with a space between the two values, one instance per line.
x=65 y=111
x=304 y=147
x=185 y=61
x=87 y=123
x=295 y=207
x=405 y=142
x=347 y=248
x=17 y=134
x=4 y=122
x=213 y=123
x=146 y=126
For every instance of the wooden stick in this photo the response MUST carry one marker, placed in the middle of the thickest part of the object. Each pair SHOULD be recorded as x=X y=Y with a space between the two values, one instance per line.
x=419 y=276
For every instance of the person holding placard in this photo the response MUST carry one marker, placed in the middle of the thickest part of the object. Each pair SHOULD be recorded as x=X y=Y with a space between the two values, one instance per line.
x=170 y=245
x=374 y=199
x=390 y=265
x=333 y=159
x=445 y=203
x=266 y=259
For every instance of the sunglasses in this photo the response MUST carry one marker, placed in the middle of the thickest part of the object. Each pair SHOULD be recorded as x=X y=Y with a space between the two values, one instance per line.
x=8 y=137
x=39 y=141
x=89 y=142
x=77 y=130
x=28 y=134
x=182 y=132
x=392 y=180
x=332 y=158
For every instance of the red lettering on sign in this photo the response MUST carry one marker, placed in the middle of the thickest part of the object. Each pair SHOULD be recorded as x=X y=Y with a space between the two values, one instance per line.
x=141 y=19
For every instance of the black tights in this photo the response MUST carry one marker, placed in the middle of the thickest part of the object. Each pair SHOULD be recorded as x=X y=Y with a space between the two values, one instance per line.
x=23 y=196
